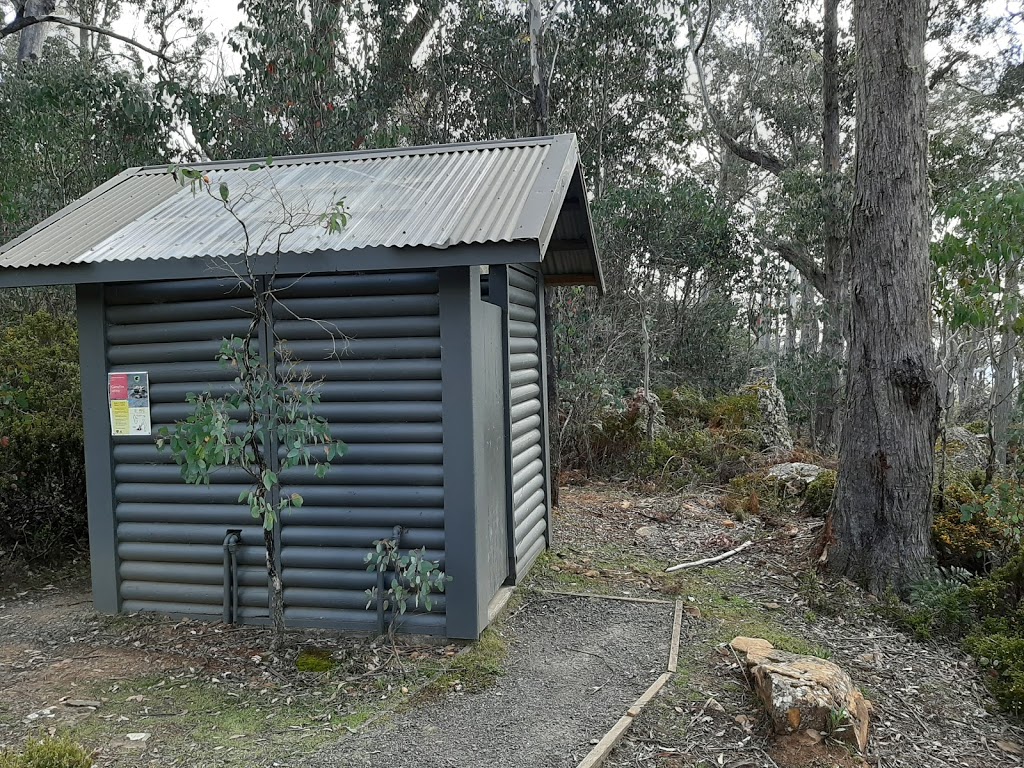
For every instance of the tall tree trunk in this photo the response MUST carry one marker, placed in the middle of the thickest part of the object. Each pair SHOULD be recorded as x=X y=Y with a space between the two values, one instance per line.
x=881 y=518
x=827 y=417
x=1003 y=384
x=540 y=128
x=30 y=44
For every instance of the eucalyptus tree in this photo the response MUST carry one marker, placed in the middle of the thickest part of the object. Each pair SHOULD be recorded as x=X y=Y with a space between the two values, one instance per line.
x=879 y=528
x=314 y=76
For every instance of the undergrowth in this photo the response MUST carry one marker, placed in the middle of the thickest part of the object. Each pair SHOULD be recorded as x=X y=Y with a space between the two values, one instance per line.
x=695 y=439
x=48 y=752
x=985 y=613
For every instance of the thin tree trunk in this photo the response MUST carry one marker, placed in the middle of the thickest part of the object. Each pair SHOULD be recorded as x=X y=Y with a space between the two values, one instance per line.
x=881 y=519
x=540 y=111
x=1003 y=384
x=792 y=313
x=827 y=417
x=810 y=329
x=276 y=602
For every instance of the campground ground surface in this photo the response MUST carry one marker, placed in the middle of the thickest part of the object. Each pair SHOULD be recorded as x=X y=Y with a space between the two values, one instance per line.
x=549 y=679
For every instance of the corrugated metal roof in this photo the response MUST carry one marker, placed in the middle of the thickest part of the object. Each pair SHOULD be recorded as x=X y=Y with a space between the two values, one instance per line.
x=422 y=196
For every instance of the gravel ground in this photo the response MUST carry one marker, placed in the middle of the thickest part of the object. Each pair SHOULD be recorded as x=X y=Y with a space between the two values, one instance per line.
x=574 y=666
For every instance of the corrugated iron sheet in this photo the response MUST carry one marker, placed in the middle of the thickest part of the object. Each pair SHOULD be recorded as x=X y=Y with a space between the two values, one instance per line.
x=433 y=200
x=87 y=223
x=434 y=197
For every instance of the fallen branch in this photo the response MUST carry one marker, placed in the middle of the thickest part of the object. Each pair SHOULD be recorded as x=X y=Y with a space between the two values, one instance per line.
x=710 y=560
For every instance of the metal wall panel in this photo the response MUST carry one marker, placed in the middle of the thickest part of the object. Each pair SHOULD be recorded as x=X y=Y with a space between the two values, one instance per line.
x=373 y=342
x=528 y=481
x=169 y=534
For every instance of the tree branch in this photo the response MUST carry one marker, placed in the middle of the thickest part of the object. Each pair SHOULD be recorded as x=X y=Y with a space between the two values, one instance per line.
x=804 y=263
x=23 y=22
x=765 y=160
x=939 y=73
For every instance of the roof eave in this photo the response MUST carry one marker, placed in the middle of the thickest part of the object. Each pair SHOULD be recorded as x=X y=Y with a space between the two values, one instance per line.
x=377 y=258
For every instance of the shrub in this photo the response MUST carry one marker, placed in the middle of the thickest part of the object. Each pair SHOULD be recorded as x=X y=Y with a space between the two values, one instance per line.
x=739 y=411
x=986 y=613
x=752 y=494
x=818 y=496
x=1002 y=656
x=696 y=439
x=684 y=404
x=42 y=473
x=50 y=752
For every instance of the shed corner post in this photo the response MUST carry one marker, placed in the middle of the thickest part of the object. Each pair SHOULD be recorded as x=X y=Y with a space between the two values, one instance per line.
x=498 y=295
x=458 y=292
x=99 y=465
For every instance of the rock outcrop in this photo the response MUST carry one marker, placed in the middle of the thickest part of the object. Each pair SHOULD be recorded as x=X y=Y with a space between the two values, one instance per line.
x=805 y=693
x=795 y=476
x=772 y=405
x=965 y=451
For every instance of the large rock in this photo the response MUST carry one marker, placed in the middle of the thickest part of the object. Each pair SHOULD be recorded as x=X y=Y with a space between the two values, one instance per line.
x=772 y=405
x=803 y=693
x=794 y=475
x=965 y=451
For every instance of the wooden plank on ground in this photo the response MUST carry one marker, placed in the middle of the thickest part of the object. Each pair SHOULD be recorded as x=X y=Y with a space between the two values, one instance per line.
x=677 y=626
x=593 y=596
x=649 y=694
x=600 y=753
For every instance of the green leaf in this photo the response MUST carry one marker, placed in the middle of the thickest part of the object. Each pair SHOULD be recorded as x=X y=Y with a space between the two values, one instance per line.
x=223 y=191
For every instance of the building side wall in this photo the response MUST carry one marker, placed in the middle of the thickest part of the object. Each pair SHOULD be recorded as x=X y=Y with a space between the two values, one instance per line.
x=373 y=341
x=527 y=418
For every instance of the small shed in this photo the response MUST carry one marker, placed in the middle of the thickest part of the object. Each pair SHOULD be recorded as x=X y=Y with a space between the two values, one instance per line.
x=432 y=369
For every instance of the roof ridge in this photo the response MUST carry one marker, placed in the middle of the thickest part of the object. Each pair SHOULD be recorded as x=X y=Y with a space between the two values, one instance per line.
x=369 y=154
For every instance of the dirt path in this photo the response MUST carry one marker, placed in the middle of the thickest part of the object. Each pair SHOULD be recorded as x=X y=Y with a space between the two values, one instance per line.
x=574 y=666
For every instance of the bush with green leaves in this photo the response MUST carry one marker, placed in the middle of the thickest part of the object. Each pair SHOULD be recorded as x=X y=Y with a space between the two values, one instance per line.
x=819 y=492
x=49 y=752
x=986 y=613
x=409 y=578
x=42 y=465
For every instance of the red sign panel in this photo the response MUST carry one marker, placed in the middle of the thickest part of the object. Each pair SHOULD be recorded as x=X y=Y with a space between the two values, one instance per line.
x=118 y=386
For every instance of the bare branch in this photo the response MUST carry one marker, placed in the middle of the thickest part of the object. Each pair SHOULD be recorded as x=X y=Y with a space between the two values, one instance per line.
x=24 y=22
x=940 y=72
x=765 y=160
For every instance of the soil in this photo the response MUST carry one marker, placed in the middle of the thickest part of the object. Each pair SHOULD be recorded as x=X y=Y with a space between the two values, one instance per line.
x=210 y=695
x=575 y=665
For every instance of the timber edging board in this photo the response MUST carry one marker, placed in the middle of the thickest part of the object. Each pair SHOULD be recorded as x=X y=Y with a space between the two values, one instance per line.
x=604 y=747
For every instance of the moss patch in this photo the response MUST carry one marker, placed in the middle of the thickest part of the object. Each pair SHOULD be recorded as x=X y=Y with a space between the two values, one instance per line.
x=315 y=660
x=49 y=752
x=475 y=669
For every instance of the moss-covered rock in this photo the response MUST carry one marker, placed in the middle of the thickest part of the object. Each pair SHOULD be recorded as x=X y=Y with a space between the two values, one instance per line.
x=818 y=496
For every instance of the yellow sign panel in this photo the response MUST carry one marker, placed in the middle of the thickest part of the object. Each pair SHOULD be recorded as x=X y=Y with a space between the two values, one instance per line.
x=120 y=417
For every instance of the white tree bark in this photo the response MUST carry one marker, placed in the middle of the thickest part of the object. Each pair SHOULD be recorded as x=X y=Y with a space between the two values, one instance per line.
x=30 y=44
